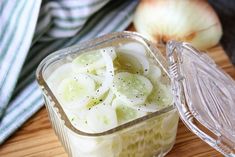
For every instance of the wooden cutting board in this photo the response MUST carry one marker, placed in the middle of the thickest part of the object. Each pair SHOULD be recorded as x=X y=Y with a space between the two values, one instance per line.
x=36 y=138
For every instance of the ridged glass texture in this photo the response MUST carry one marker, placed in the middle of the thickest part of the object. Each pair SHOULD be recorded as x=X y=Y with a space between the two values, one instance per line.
x=204 y=96
x=152 y=137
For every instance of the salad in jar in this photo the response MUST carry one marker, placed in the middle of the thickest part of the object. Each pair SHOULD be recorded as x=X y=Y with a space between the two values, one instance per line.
x=106 y=88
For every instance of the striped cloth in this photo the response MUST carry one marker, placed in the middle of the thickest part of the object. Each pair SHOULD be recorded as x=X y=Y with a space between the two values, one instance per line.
x=30 y=30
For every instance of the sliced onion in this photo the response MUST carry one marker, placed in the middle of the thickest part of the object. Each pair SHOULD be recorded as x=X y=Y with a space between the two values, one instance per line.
x=109 y=75
x=76 y=104
x=133 y=47
x=111 y=52
x=98 y=79
x=109 y=98
x=154 y=73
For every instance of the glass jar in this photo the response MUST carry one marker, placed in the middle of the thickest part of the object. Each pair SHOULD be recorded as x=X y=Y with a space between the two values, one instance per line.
x=151 y=135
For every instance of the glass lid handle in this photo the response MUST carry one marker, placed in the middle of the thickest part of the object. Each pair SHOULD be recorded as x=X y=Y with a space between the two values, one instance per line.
x=204 y=96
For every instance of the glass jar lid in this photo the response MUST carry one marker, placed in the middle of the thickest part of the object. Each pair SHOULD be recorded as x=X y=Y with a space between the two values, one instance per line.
x=204 y=96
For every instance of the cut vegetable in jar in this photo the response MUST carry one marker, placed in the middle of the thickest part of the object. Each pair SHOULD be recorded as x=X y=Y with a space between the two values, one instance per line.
x=170 y=122
x=109 y=74
x=99 y=147
x=154 y=73
x=106 y=88
x=128 y=63
x=88 y=145
x=134 y=47
x=131 y=88
x=104 y=150
x=146 y=107
x=137 y=59
x=125 y=113
x=98 y=79
x=78 y=119
x=55 y=79
x=105 y=99
x=108 y=99
x=100 y=71
x=111 y=51
x=169 y=128
x=101 y=118
x=74 y=92
x=117 y=144
x=88 y=62
x=161 y=95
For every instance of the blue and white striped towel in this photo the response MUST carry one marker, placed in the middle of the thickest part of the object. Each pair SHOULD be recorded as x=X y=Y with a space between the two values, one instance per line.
x=30 y=30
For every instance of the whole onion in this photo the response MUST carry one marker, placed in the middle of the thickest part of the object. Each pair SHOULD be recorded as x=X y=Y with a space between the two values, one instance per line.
x=193 y=21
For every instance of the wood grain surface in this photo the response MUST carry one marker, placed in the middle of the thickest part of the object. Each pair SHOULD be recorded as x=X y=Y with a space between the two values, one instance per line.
x=36 y=137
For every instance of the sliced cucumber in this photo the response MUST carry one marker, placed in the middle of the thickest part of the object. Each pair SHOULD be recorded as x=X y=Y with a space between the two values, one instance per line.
x=87 y=62
x=101 y=118
x=131 y=88
x=139 y=59
x=137 y=52
x=125 y=113
x=161 y=95
x=127 y=63
x=75 y=91
x=59 y=75
x=91 y=61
